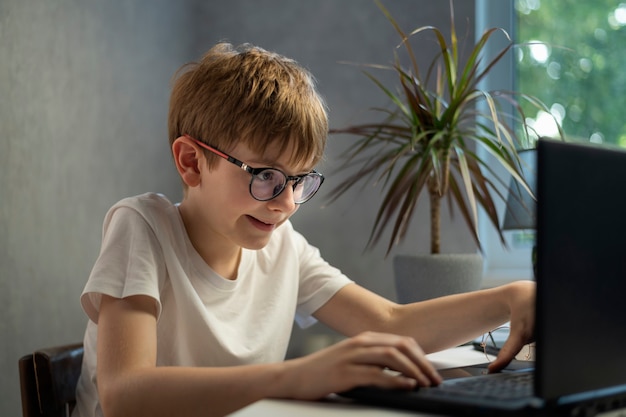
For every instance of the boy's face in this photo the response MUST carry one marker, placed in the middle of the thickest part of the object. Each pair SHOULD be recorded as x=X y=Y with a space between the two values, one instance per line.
x=226 y=211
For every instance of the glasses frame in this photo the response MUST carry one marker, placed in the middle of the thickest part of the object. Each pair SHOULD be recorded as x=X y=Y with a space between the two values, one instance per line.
x=297 y=179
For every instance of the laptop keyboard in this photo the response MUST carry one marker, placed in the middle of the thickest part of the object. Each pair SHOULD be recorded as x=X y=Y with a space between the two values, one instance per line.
x=504 y=386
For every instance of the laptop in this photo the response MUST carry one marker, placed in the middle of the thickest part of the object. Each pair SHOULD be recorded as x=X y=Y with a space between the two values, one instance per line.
x=580 y=367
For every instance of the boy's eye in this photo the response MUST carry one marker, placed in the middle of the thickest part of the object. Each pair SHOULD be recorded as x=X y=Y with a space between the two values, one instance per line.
x=267 y=175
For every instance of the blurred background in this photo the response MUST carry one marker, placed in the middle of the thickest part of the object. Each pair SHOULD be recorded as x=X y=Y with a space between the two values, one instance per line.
x=84 y=87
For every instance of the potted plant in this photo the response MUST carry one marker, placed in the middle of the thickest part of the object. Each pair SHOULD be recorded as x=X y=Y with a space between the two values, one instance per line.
x=428 y=144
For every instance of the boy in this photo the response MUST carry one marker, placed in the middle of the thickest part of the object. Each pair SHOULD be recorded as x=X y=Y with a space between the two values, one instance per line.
x=191 y=305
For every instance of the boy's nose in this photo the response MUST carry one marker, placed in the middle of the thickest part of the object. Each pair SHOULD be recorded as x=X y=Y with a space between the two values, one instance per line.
x=285 y=200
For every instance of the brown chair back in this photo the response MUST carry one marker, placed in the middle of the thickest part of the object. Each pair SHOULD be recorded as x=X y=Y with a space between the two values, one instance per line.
x=48 y=380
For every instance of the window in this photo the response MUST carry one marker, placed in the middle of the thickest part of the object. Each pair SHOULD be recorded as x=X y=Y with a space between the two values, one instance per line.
x=578 y=69
x=572 y=58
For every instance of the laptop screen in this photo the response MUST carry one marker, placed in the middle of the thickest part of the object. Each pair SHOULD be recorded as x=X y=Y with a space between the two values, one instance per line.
x=581 y=255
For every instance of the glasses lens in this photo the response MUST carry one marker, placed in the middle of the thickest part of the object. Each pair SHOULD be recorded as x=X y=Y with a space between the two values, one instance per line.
x=267 y=184
x=307 y=187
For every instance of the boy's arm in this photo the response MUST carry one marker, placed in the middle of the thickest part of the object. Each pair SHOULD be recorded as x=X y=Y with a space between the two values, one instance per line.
x=439 y=323
x=130 y=383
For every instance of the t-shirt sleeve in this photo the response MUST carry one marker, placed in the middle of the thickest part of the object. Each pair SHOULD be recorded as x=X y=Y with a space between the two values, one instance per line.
x=130 y=261
x=319 y=281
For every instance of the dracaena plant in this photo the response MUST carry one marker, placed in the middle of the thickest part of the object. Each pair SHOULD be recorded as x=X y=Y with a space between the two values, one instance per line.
x=428 y=141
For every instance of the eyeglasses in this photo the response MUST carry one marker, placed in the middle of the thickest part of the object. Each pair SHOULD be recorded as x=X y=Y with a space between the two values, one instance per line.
x=492 y=342
x=268 y=183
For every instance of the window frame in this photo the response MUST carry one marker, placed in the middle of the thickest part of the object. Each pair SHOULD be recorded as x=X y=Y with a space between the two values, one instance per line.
x=501 y=264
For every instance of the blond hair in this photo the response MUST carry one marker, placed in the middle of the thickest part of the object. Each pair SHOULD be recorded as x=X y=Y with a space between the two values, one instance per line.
x=247 y=94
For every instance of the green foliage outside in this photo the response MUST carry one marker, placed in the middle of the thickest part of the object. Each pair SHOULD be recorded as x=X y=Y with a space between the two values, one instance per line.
x=583 y=78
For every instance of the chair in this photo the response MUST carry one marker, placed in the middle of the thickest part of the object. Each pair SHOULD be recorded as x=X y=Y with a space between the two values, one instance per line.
x=48 y=379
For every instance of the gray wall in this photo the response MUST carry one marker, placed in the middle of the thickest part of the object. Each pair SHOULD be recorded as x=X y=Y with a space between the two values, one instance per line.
x=83 y=100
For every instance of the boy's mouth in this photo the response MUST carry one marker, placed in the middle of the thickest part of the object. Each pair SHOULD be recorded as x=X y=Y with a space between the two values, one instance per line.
x=261 y=225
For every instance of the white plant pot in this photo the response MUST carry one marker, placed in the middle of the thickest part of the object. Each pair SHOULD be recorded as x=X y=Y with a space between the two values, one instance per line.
x=422 y=277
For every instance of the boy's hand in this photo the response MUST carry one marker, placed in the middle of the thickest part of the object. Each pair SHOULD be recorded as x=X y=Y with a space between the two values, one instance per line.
x=360 y=360
x=522 y=307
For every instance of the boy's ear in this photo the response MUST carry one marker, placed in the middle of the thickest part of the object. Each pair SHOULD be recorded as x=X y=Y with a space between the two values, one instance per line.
x=188 y=159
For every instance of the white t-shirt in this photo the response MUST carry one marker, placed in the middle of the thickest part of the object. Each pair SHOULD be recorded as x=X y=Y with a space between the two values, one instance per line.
x=203 y=318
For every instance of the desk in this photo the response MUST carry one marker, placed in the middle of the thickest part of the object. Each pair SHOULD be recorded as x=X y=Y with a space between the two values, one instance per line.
x=335 y=406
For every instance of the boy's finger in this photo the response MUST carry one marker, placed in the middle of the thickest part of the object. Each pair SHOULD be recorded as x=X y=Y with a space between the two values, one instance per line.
x=505 y=356
x=391 y=358
x=415 y=365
